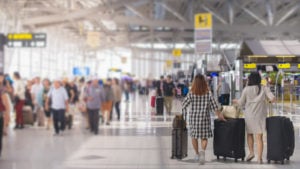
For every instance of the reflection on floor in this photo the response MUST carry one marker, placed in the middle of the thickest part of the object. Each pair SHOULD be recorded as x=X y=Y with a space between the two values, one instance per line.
x=140 y=140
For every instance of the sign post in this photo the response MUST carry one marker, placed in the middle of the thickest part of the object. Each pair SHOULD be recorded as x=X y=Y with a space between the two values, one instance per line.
x=203 y=36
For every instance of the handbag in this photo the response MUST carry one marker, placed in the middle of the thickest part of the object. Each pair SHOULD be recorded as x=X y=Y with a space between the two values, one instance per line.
x=232 y=112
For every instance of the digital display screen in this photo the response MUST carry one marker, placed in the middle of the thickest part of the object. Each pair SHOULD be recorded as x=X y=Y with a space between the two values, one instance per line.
x=31 y=40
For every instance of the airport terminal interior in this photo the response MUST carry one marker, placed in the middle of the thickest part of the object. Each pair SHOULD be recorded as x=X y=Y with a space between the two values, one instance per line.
x=88 y=84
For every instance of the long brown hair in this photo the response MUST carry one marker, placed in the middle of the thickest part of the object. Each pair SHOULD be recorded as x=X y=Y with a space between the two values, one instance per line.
x=199 y=86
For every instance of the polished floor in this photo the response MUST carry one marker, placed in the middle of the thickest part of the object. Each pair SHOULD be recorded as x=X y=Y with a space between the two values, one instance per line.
x=140 y=140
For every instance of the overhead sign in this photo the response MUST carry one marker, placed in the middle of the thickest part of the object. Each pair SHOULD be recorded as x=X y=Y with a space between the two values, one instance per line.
x=284 y=66
x=30 y=40
x=169 y=63
x=250 y=66
x=81 y=71
x=176 y=52
x=203 y=33
x=298 y=66
x=203 y=21
x=93 y=39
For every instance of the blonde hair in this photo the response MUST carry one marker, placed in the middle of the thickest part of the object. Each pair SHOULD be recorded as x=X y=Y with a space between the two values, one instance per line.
x=199 y=86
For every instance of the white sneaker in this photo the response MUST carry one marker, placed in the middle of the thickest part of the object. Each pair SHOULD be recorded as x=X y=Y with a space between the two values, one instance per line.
x=202 y=157
x=196 y=158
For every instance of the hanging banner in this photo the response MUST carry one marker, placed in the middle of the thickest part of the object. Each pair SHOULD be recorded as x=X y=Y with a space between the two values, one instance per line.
x=203 y=33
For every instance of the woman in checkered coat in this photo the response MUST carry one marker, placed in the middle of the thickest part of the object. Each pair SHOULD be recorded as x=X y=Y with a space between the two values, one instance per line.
x=202 y=104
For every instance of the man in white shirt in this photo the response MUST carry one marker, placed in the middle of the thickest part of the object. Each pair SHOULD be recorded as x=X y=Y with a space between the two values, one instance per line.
x=19 y=99
x=59 y=105
x=37 y=98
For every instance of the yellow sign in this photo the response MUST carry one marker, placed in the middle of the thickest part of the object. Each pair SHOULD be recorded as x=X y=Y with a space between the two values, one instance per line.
x=284 y=66
x=250 y=66
x=298 y=66
x=19 y=36
x=286 y=56
x=176 y=52
x=169 y=63
x=203 y=21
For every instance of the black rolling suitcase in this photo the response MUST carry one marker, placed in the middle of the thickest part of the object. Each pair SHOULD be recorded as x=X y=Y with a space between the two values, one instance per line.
x=159 y=105
x=229 y=138
x=280 y=139
x=179 y=138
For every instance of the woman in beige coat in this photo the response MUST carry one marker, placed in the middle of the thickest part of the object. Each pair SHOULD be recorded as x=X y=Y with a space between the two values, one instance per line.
x=254 y=98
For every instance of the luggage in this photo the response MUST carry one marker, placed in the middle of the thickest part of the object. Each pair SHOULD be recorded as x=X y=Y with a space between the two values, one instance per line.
x=229 y=138
x=27 y=115
x=152 y=103
x=179 y=122
x=179 y=143
x=231 y=112
x=280 y=139
x=159 y=105
x=69 y=121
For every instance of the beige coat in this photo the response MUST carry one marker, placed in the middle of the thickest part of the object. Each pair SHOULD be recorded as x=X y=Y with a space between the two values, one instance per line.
x=117 y=93
x=256 y=108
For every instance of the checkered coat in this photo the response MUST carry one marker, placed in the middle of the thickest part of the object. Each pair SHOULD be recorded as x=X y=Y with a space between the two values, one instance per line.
x=199 y=115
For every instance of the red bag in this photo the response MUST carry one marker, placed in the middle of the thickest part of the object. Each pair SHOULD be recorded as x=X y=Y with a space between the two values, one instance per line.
x=152 y=103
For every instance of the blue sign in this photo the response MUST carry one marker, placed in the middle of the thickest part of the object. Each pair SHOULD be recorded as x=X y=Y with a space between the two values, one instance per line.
x=81 y=71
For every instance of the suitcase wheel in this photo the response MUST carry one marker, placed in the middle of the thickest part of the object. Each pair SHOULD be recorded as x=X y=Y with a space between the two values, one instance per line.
x=288 y=158
x=224 y=158
x=269 y=161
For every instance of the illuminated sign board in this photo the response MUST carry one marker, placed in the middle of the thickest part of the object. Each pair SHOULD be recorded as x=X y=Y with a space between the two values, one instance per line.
x=30 y=40
x=250 y=66
x=284 y=66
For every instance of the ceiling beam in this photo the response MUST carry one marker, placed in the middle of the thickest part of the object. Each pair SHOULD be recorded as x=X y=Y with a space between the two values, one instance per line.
x=288 y=14
x=174 y=12
x=217 y=16
x=135 y=11
x=230 y=11
x=270 y=12
x=254 y=16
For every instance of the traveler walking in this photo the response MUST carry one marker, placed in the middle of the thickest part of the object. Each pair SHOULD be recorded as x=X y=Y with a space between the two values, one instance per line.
x=254 y=97
x=202 y=103
x=107 y=101
x=19 y=99
x=169 y=93
x=37 y=98
x=224 y=91
x=94 y=98
x=46 y=89
x=117 y=91
x=4 y=107
x=59 y=105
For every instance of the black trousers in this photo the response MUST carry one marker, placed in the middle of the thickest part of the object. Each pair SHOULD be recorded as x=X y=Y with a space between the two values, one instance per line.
x=1 y=132
x=59 y=120
x=224 y=99
x=117 y=107
x=94 y=120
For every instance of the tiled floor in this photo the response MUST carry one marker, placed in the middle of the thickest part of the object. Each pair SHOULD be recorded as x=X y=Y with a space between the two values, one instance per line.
x=139 y=141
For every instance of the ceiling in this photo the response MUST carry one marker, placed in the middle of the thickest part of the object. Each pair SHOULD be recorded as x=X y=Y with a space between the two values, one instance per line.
x=127 y=22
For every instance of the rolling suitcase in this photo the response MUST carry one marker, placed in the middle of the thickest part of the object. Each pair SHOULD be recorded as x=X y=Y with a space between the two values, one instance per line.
x=280 y=139
x=229 y=138
x=179 y=138
x=27 y=115
x=159 y=105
